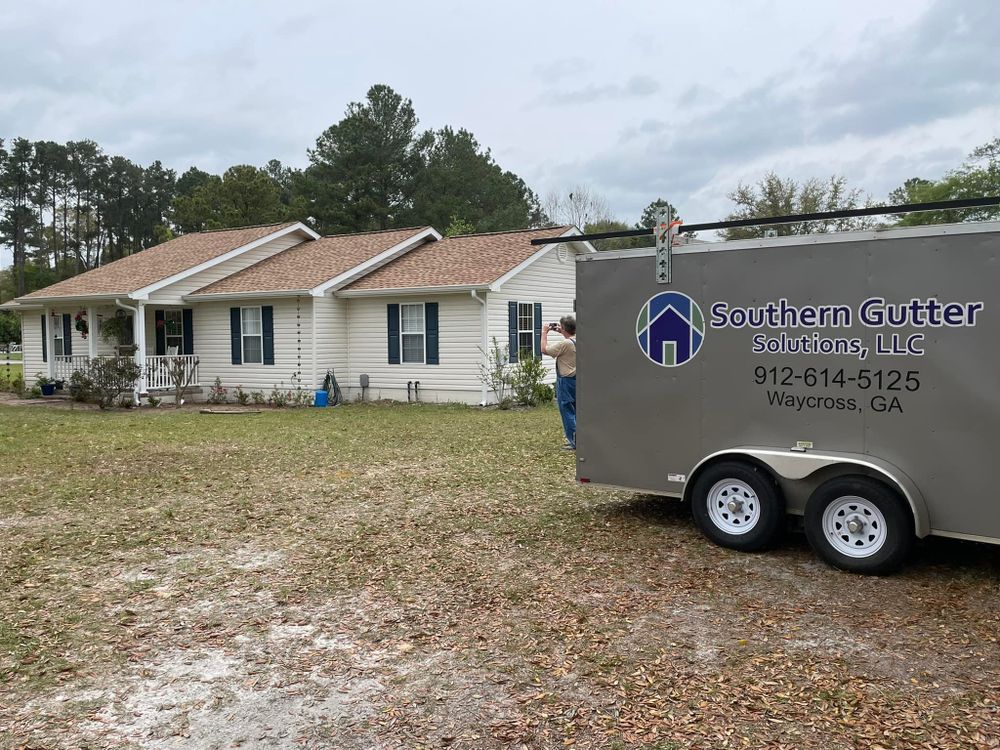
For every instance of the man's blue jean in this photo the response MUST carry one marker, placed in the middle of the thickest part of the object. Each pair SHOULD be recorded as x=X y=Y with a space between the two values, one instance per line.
x=566 y=398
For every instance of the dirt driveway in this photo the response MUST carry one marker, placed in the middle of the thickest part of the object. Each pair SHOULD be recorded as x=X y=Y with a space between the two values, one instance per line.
x=394 y=577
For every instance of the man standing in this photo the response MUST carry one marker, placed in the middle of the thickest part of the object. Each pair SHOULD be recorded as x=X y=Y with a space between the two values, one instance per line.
x=565 y=355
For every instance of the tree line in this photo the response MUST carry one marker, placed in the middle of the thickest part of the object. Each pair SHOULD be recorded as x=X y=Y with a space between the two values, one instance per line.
x=67 y=208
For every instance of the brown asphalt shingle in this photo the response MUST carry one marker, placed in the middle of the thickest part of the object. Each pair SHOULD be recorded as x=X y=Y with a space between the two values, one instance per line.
x=162 y=261
x=311 y=263
x=466 y=260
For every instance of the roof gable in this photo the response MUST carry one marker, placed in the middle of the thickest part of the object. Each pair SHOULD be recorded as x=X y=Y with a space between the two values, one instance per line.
x=464 y=261
x=163 y=263
x=311 y=266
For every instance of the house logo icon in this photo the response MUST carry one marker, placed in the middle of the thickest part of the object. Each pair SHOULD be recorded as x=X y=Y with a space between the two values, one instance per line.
x=670 y=329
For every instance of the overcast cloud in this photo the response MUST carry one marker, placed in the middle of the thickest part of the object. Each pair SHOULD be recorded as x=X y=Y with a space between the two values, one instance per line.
x=637 y=100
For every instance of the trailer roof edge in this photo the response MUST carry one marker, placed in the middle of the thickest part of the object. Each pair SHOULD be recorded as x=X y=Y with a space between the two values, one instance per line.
x=928 y=230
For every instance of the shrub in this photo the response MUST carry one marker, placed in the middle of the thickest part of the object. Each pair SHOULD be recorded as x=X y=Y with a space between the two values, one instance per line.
x=278 y=398
x=154 y=401
x=35 y=392
x=495 y=372
x=218 y=394
x=544 y=393
x=81 y=387
x=526 y=380
x=242 y=397
x=111 y=377
x=258 y=398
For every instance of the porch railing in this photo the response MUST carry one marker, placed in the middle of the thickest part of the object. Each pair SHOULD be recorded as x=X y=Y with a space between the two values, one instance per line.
x=158 y=370
x=66 y=365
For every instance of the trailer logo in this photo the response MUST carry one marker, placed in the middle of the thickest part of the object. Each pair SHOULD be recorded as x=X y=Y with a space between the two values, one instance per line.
x=670 y=329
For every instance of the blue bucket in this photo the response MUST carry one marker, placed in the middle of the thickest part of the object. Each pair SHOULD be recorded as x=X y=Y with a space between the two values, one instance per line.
x=322 y=398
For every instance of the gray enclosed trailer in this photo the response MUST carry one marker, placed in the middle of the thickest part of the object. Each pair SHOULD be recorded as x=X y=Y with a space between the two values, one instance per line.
x=853 y=379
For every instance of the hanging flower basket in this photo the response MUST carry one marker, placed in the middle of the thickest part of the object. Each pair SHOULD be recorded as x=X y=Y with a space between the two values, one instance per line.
x=81 y=324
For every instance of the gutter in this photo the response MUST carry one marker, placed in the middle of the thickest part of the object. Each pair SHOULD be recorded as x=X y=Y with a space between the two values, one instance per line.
x=223 y=296
x=456 y=289
x=484 y=325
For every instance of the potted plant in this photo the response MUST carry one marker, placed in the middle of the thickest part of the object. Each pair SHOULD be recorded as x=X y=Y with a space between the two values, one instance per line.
x=47 y=384
x=118 y=332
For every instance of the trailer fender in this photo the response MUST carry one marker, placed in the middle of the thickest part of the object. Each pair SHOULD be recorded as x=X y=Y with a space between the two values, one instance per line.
x=796 y=465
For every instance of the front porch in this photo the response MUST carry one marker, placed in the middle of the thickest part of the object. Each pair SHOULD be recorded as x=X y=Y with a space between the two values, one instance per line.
x=158 y=340
x=157 y=370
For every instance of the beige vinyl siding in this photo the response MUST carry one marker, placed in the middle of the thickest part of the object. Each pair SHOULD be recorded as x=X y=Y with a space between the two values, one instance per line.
x=549 y=281
x=31 y=345
x=213 y=347
x=172 y=294
x=456 y=378
x=331 y=339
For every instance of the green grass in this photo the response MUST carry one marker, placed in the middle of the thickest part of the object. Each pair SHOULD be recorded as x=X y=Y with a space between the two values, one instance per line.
x=9 y=374
x=13 y=356
x=598 y=616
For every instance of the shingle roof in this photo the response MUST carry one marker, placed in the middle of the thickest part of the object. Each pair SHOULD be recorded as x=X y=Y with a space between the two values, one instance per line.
x=465 y=260
x=156 y=263
x=309 y=264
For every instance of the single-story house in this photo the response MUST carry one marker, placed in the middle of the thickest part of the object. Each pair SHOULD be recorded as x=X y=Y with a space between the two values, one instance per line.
x=278 y=306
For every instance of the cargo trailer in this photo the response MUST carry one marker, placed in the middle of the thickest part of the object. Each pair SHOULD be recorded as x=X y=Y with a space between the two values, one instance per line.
x=851 y=379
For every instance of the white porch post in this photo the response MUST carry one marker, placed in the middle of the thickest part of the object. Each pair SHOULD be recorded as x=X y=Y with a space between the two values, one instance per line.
x=312 y=335
x=140 y=343
x=50 y=343
x=92 y=335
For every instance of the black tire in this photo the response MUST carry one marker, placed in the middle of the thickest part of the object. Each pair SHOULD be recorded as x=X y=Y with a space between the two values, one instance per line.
x=767 y=509
x=894 y=529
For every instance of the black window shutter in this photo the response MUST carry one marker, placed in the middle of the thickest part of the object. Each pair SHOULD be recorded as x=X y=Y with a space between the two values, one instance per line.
x=161 y=332
x=45 y=341
x=235 y=333
x=267 y=323
x=512 y=343
x=431 y=327
x=187 y=320
x=67 y=334
x=538 y=330
x=392 y=325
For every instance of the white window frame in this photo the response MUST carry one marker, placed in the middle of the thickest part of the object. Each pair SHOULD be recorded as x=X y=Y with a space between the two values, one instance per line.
x=58 y=340
x=244 y=335
x=180 y=320
x=531 y=349
x=422 y=333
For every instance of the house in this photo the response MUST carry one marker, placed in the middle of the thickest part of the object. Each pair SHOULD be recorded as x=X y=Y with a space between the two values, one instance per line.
x=278 y=306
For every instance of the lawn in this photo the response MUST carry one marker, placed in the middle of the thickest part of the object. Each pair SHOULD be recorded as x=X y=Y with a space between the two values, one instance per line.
x=9 y=373
x=408 y=577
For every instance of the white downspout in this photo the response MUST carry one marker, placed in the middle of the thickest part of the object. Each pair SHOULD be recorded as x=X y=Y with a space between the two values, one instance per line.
x=484 y=324
x=92 y=333
x=139 y=335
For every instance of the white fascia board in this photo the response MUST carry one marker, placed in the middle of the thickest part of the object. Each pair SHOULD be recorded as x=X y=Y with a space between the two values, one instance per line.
x=144 y=292
x=400 y=291
x=495 y=286
x=376 y=262
x=221 y=296
x=36 y=301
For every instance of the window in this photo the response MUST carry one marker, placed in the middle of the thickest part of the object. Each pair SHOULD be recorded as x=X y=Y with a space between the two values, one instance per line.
x=253 y=335
x=59 y=347
x=173 y=330
x=525 y=329
x=411 y=330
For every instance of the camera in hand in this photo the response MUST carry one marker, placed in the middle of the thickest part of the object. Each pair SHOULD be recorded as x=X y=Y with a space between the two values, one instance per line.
x=553 y=326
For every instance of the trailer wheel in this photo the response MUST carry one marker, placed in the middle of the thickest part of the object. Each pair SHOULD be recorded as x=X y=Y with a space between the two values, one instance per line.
x=859 y=525
x=738 y=506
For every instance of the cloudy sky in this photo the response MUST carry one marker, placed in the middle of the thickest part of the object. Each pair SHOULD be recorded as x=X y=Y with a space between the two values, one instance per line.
x=635 y=99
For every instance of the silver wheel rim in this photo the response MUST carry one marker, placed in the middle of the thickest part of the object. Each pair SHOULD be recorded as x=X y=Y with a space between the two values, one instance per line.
x=733 y=506
x=854 y=526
